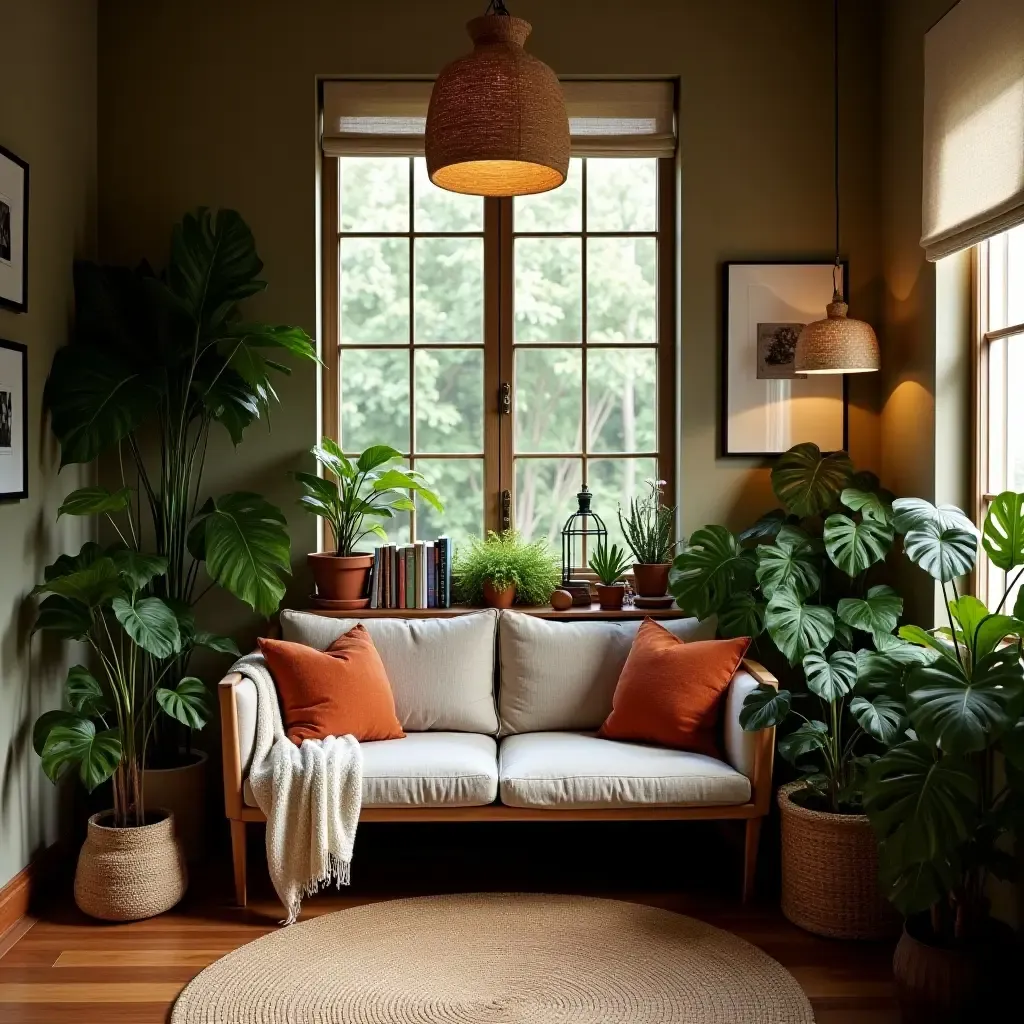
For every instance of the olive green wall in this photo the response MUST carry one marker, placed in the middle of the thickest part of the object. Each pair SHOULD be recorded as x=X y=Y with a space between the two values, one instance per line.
x=215 y=104
x=47 y=117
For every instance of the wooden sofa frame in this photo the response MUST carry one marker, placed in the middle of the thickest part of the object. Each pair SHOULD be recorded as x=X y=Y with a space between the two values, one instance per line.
x=752 y=812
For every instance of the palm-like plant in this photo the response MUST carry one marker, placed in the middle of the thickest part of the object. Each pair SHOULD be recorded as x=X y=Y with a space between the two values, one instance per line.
x=373 y=487
x=609 y=563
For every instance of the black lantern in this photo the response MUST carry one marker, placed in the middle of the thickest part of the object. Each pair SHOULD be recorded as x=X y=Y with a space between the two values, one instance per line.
x=581 y=525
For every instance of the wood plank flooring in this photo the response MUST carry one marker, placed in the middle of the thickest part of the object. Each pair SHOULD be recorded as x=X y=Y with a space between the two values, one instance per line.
x=67 y=968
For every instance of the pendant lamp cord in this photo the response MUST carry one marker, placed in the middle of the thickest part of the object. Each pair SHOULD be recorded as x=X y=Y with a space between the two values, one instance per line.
x=497 y=7
x=836 y=285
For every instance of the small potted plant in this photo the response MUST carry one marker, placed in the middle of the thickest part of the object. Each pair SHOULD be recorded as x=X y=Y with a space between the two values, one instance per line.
x=503 y=570
x=370 y=488
x=648 y=531
x=608 y=564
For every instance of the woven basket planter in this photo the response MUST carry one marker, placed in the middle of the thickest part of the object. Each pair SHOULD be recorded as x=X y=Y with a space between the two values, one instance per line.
x=830 y=873
x=126 y=874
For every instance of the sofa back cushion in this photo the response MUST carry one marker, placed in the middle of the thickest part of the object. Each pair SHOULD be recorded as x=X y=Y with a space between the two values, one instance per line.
x=441 y=670
x=562 y=675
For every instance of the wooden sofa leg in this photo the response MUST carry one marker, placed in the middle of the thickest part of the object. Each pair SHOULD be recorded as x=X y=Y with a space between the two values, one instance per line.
x=238 y=859
x=750 y=846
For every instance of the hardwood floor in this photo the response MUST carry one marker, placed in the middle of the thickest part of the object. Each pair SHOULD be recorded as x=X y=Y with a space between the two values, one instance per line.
x=67 y=968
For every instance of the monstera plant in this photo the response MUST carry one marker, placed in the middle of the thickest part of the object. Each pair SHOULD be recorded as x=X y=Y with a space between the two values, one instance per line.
x=155 y=364
x=804 y=583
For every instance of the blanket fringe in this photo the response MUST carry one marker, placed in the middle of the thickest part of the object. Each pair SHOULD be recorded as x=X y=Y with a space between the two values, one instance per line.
x=337 y=871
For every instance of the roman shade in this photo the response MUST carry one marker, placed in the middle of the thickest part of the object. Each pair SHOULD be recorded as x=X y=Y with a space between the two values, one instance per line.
x=606 y=118
x=973 y=125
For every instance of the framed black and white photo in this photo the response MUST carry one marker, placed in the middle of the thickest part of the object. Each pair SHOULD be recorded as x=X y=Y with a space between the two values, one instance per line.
x=13 y=232
x=767 y=407
x=13 y=420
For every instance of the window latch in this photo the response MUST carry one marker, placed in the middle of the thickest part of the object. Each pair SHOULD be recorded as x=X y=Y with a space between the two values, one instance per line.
x=506 y=509
x=505 y=398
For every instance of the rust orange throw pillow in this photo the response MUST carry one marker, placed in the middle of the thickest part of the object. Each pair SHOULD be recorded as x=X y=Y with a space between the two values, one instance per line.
x=335 y=692
x=669 y=692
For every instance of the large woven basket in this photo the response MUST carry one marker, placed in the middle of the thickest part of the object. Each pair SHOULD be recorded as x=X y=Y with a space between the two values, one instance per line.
x=830 y=873
x=126 y=874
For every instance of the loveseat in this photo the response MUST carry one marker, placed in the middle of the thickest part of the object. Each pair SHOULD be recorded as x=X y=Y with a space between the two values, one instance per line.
x=501 y=712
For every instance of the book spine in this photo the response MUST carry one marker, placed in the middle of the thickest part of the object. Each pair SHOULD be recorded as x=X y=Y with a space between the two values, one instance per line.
x=410 y=577
x=374 y=577
x=392 y=576
x=418 y=557
x=402 y=569
x=446 y=570
x=431 y=575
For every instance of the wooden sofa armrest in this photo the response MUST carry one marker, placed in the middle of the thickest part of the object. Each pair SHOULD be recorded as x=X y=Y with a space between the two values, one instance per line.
x=230 y=751
x=764 y=758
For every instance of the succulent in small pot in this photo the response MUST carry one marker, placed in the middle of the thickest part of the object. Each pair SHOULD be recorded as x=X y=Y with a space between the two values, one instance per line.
x=372 y=488
x=504 y=569
x=647 y=527
x=608 y=564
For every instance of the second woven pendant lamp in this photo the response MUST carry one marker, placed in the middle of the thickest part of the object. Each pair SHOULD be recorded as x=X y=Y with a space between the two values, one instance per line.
x=497 y=125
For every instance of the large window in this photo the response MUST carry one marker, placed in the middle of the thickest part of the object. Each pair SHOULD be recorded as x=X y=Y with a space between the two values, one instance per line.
x=512 y=350
x=1000 y=303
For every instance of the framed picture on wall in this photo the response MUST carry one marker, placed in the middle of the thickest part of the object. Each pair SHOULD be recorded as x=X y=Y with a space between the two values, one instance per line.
x=13 y=232
x=13 y=420
x=767 y=407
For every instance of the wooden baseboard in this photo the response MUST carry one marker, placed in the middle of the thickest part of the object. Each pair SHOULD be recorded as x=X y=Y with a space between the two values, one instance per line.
x=21 y=893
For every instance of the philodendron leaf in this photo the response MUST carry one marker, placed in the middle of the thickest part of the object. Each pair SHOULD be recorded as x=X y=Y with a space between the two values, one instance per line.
x=798 y=629
x=877 y=613
x=807 y=482
x=765 y=529
x=1003 y=533
x=964 y=715
x=791 y=561
x=376 y=456
x=47 y=721
x=85 y=695
x=914 y=513
x=189 y=702
x=810 y=736
x=712 y=567
x=92 y=587
x=137 y=568
x=922 y=638
x=213 y=642
x=855 y=547
x=741 y=615
x=993 y=629
x=63 y=617
x=870 y=504
x=77 y=743
x=151 y=624
x=881 y=717
x=831 y=678
x=764 y=708
x=91 y=501
x=945 y=554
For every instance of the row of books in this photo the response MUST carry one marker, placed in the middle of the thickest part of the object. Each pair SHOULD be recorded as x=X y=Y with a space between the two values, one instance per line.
x=412 y=575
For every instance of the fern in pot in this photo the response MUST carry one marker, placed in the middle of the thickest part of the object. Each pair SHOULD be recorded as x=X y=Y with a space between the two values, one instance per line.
x=354 y=498
x=503 y=569
x=647 y=526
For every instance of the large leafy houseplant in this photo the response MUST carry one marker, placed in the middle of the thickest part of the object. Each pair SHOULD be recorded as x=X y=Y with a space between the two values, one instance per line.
x=803 y=583
x=153 y=364
x=940 y=802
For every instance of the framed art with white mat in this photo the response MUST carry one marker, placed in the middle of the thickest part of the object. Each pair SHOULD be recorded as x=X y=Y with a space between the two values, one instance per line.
x=767 y=407
x=13 y=420
x=13 y=232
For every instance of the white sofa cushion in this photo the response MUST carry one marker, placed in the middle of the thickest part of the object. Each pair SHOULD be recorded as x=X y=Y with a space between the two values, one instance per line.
x=572 y=769
x=426 y=769
x=441 y=670
x=562 y=675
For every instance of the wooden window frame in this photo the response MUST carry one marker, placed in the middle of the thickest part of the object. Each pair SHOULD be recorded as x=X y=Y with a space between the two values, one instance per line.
x=499 y=327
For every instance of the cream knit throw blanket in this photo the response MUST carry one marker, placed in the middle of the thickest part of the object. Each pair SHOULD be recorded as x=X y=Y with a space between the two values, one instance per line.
x=311 y=796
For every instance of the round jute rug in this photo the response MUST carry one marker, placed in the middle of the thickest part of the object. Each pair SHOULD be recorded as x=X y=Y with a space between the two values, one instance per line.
x=496 y=959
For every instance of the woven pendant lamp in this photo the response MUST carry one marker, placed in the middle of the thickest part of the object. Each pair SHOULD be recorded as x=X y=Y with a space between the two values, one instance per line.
x=497 y=125
x=836 y=344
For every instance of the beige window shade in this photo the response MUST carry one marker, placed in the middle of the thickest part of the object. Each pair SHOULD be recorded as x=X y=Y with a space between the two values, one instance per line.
x=605 y=118
x=973 y=125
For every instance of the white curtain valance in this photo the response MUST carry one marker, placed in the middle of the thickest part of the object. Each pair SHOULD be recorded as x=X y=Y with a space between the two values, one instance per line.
x=606 y=118
x=973 y=125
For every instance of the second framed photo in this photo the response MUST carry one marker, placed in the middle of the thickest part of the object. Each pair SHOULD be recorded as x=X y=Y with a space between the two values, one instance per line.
x=13 y=420
x=13 y=232
x=767 y=407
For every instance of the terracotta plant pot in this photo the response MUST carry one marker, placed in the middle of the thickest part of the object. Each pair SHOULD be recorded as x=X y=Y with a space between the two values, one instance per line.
x=610 y=597
x=342 y=578
x=499 y=598
x=954 y=985
x=651 y=580
x=830 y=873
x=127 y=874
x=182 y=791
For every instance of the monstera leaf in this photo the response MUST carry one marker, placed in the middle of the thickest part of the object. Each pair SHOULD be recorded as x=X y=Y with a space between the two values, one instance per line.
x=798 y=629
x=1003 y=533
x=915 y=513
x=765 y=529
x=964 y=715
x=76 y=743
x=877 y=613
x=712 y=566
x=807 y=482
x=246 y=546
x=810 y=736
x=151 y=623
x=85 y=695
x=92 y=587
x=792 y=561
x=765 y=708
x=741 y=615
x=189 y=702
x=94 y=501
x=63 y=617
x=881 y=718
x=854 y=547
x=833 y=677
x=137 y=568
x=945 y=554
x=876 y=505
